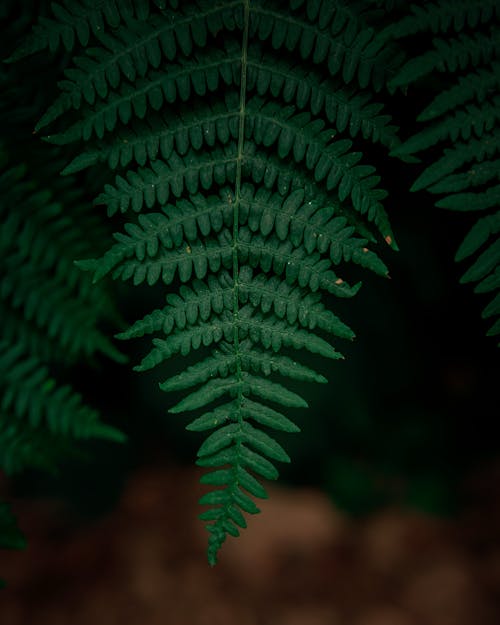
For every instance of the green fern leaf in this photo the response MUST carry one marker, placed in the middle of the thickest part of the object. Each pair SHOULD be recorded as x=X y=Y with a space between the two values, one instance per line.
x=231 y=127
x=49 y=317
x=465 y=115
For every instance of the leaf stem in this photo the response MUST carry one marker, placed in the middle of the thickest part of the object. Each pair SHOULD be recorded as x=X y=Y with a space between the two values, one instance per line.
x=236 y=206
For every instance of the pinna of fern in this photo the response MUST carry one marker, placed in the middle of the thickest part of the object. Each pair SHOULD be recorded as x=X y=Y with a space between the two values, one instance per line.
x=231 y=127
x=463 y=119
x=74 y=22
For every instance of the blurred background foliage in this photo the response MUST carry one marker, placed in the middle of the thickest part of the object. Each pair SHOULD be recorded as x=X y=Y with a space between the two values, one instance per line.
x=403 y=419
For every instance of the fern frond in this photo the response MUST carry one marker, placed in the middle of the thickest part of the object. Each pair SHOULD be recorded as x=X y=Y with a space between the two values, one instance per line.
x=465 y=116
x=231 y=127
x=50 y=315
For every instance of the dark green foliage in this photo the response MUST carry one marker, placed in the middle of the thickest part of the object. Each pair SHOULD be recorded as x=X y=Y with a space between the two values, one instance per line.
x=50 y=315
x=463 y=120
x=73 y=22
x=235 y=141
x=53 y=308
x=231 y=127
x=44 y=324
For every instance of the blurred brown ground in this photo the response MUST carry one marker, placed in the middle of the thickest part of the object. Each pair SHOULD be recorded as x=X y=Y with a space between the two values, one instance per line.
x=301 y=562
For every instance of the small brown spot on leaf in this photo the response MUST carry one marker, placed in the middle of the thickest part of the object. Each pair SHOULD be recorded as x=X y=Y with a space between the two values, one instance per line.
x=188 y=249
x=339 y=281
x=365 y=249
x=388 y=239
